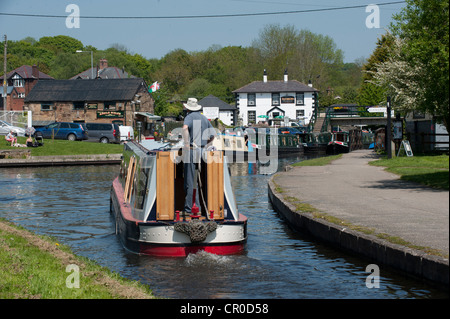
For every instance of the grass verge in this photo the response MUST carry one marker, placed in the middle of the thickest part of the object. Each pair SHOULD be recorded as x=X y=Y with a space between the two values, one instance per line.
x=432 y=171
x=64 y=147
x=36 y=267
x=321 y=161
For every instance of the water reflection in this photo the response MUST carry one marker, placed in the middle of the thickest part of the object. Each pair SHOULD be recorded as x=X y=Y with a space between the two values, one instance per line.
x=72 y=204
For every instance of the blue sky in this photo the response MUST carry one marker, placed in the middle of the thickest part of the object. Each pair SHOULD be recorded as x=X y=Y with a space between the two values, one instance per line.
x=153 y=38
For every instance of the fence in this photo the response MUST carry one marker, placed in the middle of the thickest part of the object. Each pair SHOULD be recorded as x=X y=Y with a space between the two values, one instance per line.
x=15 y=118
x=426 y=142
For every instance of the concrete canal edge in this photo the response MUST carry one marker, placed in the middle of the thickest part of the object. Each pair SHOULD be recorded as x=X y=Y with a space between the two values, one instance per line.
x=410 y=261
x=61 y=160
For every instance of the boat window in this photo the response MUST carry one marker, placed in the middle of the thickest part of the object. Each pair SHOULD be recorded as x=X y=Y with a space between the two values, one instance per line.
x=141 y=186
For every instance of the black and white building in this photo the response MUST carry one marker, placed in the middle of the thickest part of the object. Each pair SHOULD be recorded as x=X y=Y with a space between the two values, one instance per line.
x=274 y=100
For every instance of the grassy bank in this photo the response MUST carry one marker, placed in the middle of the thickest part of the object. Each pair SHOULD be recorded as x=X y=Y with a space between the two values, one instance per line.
x=432 y=171
x=64 y=147
x=321 y=161
x=35 y=267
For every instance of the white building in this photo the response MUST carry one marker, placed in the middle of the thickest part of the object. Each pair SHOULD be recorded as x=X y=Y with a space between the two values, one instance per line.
x=268 y=100
x=213 y=107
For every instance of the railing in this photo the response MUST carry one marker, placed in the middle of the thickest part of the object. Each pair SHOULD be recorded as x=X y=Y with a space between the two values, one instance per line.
x=326 y=122
x=313 y=120
x=15 y=118
x=354 y=114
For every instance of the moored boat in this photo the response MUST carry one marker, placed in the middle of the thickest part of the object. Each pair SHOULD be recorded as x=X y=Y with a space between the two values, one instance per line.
x=269 y=143
x=316 y=142
x=147 y=199
x=339 y=143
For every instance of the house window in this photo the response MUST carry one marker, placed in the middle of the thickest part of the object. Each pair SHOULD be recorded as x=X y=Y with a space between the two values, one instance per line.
x=299 y=114
x=46 y=106
x=251 y=99
x=300 y=98
x=21 y=95
x=18 y=81
x=251 y=116
x=275 y=98
x=78 y=105
x=109 y=106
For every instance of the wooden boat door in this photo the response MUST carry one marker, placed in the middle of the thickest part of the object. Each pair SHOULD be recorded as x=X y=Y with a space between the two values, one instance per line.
x=165 y=186
x=215 y=183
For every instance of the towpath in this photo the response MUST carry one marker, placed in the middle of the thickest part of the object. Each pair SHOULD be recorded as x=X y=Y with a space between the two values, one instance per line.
x=352 y=190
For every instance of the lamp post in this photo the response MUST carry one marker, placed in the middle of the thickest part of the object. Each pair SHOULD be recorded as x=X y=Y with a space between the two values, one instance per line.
x=92 y=61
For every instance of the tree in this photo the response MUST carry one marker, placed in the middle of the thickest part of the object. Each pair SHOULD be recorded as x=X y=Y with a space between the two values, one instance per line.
x=305 y=54
x=423 y=28
x=400 y=80
x=175 y=70
x=60 y=43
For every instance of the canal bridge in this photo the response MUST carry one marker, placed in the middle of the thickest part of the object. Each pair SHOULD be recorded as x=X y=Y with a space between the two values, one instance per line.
x=348 y=115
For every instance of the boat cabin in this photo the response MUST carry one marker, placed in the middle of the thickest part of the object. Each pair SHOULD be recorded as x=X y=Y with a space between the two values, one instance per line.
x=153 y=185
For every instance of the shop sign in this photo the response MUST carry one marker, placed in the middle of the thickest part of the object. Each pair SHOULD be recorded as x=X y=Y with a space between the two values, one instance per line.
x=109 y=114
x=287 y=99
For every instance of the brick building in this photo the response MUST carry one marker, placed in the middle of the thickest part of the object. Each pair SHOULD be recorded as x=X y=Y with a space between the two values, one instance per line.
x=99 y=100
x=20 y=82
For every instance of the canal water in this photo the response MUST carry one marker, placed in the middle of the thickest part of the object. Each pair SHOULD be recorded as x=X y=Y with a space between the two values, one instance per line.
x=72 y=205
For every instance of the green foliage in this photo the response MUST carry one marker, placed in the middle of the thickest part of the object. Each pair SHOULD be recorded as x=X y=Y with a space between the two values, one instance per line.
x=60 y=43
x=423 y=28
x=318 y=161
x=371 y=94
x=217 y=70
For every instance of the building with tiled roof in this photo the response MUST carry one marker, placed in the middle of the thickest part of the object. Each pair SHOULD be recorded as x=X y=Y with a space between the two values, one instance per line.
x=213 y=107
x=103 y=71
x=20 y=81
x=275 y=101
x=99 y=100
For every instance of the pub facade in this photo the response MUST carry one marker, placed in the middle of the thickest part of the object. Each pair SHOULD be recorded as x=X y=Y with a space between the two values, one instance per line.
x=82 y=101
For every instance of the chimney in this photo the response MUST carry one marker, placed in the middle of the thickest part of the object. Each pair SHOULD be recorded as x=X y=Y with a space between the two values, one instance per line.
x=35 y=71
x=103 y=64
x=285 y=75
x=265 y=76
x=310 y=84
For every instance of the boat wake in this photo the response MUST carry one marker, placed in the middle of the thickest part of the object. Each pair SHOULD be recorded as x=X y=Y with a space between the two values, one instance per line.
x=203 y=258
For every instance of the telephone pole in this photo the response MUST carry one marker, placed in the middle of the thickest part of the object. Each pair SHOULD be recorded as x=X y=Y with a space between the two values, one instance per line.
x=5 y=83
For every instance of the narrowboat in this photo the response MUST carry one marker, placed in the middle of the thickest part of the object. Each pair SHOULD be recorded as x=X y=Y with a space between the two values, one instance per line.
x=269 y=143
x=147 y=200
x=316 y=142
x=339 y=143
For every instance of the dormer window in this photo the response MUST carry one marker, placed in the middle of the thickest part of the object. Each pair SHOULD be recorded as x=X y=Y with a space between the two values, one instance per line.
x=18 y=81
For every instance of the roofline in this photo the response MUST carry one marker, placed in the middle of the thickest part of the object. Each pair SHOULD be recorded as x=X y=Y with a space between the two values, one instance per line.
x=268 y=90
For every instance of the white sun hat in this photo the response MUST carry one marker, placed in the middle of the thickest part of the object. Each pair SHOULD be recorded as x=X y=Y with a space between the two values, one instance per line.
x=192 y=104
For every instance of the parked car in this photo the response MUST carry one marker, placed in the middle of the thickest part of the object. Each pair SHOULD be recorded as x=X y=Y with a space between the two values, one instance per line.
x=63 y=130
x=5 y=128
x=103 y=132
x=288 y=130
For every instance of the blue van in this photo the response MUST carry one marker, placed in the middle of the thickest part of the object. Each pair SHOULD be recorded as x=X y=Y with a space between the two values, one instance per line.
x=63 y=130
